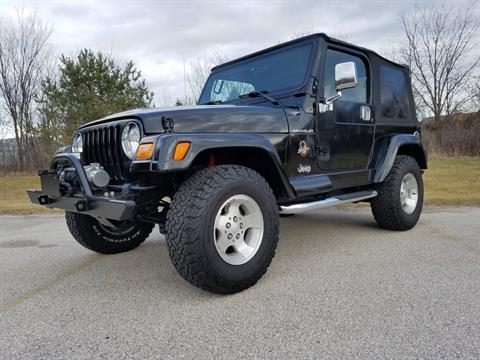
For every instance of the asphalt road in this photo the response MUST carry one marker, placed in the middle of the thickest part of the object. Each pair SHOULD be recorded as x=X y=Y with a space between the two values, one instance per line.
x=339 y=287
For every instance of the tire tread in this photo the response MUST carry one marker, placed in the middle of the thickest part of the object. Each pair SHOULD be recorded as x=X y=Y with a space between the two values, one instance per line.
x=81 y=228
x=184 y=222
x=385 y=209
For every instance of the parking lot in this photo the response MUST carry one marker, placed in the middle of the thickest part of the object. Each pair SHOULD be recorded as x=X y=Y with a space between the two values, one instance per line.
x=338 y=287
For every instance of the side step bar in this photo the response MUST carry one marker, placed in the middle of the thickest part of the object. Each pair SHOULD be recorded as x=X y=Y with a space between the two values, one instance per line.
x=333 y=201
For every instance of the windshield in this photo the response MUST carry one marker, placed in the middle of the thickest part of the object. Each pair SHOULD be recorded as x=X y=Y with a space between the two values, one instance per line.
x=282 y=69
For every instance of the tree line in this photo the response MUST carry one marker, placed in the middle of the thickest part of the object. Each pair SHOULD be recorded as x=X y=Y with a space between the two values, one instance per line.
x=441 y=48
x=43 y=100
x=43 y=103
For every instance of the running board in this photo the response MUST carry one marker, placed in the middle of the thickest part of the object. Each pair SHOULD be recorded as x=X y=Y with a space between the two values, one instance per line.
x=333 y=201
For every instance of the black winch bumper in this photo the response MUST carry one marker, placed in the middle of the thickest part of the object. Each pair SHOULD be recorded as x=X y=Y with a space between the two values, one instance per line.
x=53 y=195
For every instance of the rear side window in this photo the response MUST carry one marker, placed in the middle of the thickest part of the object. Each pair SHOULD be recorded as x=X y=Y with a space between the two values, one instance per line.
x=357 y=94
x=394 y=94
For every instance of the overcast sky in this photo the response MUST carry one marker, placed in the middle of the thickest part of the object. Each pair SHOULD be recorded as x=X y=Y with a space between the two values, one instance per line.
x=159 y=35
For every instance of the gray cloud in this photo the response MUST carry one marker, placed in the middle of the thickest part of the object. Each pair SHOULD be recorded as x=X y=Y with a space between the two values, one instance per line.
x=159 y=35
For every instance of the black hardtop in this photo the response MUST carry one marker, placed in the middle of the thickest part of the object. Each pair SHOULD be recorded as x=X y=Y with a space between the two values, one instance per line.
x=327 y=38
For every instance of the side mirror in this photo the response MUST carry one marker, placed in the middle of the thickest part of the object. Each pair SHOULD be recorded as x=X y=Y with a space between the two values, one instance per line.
x=345 y=78
x=345 y=75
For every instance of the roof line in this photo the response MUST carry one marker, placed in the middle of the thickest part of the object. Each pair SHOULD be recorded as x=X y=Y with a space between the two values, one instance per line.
x=303 y=38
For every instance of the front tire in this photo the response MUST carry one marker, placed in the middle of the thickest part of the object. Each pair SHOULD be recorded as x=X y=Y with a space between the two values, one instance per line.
x=222 y=229
x=90 y=233
x=399 y=202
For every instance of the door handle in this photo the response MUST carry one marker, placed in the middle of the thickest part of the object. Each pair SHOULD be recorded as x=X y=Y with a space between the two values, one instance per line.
x=365 y=113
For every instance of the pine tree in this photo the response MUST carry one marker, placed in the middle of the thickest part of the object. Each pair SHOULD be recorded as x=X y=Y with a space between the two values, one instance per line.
x=90 y=87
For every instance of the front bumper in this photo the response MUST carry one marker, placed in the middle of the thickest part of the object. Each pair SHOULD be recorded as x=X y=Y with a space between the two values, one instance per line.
x=53 y=195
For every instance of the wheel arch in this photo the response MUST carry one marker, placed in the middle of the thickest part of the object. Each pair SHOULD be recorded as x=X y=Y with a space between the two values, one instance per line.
x=388 y=147
x=416 y=151
x=256 y=158
x=260 y=152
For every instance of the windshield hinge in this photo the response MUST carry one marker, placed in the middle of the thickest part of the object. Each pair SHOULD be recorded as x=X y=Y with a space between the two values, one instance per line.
x=167 y=124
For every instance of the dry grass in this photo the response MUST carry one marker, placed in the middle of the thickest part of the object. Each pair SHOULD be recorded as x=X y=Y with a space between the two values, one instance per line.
x=13 y=196
x=451 y=181
x=454 y=136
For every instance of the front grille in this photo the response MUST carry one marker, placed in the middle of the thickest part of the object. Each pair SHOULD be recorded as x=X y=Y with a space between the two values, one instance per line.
x=102 y=144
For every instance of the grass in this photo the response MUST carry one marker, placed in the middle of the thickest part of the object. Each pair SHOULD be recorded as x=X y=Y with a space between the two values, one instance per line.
x=13 y=195
x=453 y=181
x=450 y=181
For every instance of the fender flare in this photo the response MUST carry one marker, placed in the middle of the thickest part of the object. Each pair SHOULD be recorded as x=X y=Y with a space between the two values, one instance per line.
x=162 y=161
x=387 y=148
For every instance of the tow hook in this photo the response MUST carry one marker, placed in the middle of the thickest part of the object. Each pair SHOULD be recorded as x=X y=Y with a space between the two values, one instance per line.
x=45 y=199
x=82 y=205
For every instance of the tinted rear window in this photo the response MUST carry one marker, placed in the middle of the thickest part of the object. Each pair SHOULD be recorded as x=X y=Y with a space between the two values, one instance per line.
x=394 y=93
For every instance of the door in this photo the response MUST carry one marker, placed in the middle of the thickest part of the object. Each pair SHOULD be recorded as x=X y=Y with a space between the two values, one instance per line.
x=345 y=133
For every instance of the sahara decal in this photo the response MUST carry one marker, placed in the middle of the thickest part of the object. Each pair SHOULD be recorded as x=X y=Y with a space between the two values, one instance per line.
x=303 y=149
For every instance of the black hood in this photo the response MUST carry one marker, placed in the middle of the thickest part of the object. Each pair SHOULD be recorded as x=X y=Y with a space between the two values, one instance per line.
x=207 y=118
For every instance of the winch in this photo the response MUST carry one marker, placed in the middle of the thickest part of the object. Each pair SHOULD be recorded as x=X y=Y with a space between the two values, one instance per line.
x=97 y=177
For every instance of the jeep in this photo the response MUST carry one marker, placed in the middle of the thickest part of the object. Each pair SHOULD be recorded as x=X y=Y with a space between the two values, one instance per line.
x=307 y=124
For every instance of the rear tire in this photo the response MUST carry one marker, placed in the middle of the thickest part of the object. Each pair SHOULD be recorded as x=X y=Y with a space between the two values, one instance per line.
x=212 y=241
x=399 y=202
x=90 y=233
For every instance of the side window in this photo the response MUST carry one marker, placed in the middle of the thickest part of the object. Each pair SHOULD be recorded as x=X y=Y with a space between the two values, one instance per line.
x=357 y=94
x=394 y=98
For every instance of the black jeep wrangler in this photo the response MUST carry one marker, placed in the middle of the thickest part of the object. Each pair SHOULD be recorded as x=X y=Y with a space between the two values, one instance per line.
x=307 y=124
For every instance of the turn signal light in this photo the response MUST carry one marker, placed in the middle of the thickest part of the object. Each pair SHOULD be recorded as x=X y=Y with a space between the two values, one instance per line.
x=145 y=151
x=181 y=150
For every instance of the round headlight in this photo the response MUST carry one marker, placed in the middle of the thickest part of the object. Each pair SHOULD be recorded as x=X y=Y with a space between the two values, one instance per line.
x=77 y=144
x=130 y=139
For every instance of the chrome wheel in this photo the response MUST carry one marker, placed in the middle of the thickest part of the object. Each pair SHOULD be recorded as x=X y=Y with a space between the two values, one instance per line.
x=409 y=193
x=238 y=230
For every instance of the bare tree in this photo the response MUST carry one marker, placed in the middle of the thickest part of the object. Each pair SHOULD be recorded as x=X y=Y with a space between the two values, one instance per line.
x=475 y=90
x=3 y=127
x=198 y=72
x=439 y=48
x=23 y=55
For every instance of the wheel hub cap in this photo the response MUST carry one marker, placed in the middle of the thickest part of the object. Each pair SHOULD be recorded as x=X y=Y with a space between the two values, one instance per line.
x=238 y=230
x=409 y=193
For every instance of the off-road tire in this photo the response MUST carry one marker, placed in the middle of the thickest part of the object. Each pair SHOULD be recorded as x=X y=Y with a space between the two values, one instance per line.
x=386 y=206
x=89 y=233
x=190 y=224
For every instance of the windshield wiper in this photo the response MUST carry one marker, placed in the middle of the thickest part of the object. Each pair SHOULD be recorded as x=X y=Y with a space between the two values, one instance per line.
x=214 y=102
x=262 y=93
